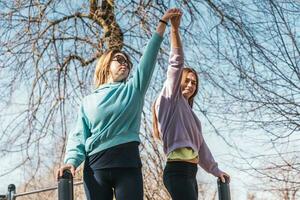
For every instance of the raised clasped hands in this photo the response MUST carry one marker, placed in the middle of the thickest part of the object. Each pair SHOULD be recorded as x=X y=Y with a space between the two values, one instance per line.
x=171 y=13
x=175 y=20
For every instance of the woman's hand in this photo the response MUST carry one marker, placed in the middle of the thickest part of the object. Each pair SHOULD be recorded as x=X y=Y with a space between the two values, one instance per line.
x=223 y=177
x=175 y=21
x=174 y=33
x=173 y=12
x=64 y=167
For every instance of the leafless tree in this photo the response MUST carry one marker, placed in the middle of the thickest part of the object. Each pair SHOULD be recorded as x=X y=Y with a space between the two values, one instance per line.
x=251 y=64
x=246 y=52
x=279 y=178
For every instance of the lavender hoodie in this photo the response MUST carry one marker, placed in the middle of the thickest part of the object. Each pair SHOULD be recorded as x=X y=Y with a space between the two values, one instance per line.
x=178 y=124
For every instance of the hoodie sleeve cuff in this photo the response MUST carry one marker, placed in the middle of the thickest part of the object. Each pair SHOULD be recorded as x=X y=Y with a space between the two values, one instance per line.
x=177 y=51
x=215 y=171
x=176 y=58
x=73 y=162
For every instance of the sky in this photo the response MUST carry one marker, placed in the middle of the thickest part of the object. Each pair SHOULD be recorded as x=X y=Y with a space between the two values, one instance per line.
x=221 y=151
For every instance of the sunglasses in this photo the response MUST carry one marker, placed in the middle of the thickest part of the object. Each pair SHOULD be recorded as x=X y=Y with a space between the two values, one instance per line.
x=122 y=60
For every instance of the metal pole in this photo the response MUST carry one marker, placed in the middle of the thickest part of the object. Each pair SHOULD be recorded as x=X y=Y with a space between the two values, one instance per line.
x=3 y=197
x=11 y=192
x=65 y=186
x=223 y=189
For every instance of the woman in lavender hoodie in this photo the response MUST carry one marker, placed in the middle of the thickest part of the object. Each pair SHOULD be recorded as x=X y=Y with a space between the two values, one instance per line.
x=179 y=127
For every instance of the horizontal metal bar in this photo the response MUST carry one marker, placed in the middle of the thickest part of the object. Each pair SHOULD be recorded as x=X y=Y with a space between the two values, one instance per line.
x=42 y=190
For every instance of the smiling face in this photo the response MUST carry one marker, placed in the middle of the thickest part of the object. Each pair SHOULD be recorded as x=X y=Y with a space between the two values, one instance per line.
x=189 y=85
x=119 y=68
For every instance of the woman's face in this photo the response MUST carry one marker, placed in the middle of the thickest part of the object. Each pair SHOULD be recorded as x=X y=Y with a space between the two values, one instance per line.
x=189 y=85
x=119 y=67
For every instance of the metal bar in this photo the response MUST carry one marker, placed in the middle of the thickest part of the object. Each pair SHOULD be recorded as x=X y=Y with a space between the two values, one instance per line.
x=3 y=197
x=65 y=186
x=42 y=190
x=35 y=191
x=224 y=189
x=11 y=192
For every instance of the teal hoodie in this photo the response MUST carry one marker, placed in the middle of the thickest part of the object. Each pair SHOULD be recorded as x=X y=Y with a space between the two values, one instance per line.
x=111 y=115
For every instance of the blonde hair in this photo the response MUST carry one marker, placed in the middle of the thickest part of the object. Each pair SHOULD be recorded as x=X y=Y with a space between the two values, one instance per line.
x=185 y=72
x=155 y=132
x=102 y=72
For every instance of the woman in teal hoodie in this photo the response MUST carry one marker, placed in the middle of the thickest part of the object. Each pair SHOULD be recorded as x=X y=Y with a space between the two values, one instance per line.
x=106 y=135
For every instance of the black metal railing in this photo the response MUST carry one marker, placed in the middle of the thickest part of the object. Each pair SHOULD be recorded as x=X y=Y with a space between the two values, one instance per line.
x=66 y=191
x=64 y=187
x=224 y=189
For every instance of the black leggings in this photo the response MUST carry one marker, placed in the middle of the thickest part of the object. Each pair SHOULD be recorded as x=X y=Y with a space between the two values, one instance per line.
x=180 y=180
x=124 y=183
